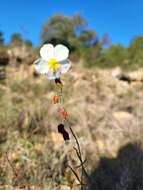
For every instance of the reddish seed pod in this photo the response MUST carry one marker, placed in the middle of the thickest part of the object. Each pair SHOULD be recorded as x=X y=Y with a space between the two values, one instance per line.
x=55 y=99
x=63 y=113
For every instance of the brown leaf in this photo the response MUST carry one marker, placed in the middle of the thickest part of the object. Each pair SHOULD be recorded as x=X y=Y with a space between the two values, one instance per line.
x=61 y=129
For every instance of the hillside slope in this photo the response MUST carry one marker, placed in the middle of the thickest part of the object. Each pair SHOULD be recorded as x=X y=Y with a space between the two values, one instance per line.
x=105 y=112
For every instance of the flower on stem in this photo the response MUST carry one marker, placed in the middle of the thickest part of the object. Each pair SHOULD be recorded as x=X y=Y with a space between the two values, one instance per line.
x=53 y=61
x=63 y=113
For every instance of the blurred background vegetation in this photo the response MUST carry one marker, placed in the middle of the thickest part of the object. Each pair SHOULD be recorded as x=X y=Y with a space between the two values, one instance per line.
x=83 y=42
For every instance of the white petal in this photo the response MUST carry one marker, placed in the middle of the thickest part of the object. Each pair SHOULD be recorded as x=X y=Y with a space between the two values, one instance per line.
x=65 y=66
x=53 y=74
x=41 y=66
x=61 y=52
x=47 y=51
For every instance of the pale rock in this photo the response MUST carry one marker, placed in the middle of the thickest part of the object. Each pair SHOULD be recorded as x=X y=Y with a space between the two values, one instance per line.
x=65 y=187
x=122 y=115
x=116 y=72
x=136 y=75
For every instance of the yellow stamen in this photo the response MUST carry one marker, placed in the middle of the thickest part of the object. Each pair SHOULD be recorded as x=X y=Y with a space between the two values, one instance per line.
x=53 y=63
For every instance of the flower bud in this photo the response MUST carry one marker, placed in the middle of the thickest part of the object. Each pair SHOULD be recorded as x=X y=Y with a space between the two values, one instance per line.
x=55 y=99
x=63 y=113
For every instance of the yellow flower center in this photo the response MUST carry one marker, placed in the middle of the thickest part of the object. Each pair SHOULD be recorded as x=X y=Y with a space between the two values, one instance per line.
x=53 y=63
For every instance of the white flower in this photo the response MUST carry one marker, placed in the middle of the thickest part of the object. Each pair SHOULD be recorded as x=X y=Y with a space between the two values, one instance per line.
x=54 y=60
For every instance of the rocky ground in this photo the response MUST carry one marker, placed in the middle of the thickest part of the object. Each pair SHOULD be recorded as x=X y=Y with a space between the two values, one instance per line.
x=105 y=111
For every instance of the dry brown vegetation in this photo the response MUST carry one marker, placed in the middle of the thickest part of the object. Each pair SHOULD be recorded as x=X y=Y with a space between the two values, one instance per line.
x=105 y=113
